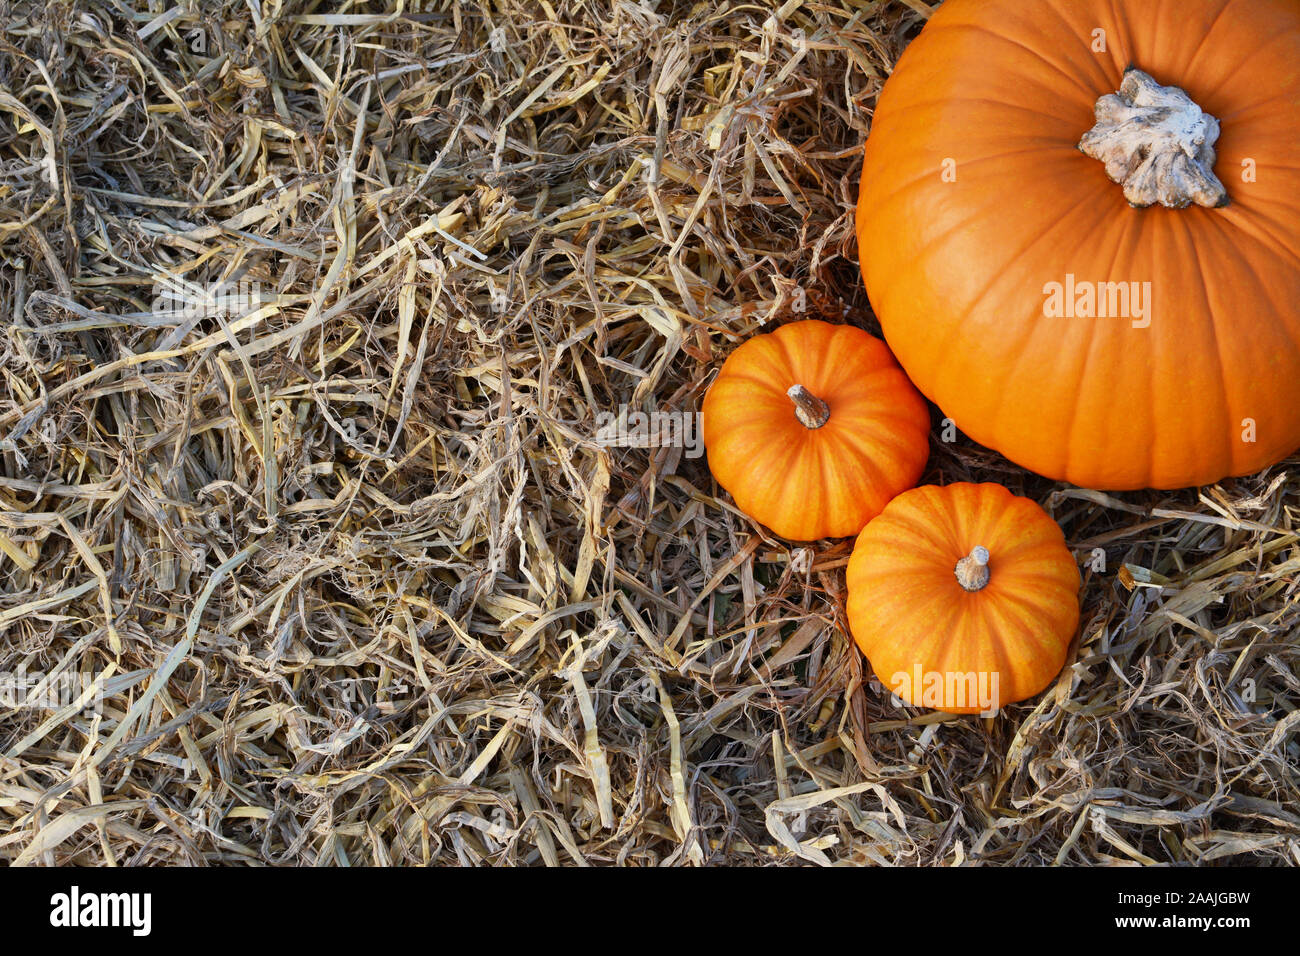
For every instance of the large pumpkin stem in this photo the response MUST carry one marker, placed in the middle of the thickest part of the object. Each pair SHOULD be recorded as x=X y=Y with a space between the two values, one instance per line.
x=811 y=411
x=1157 y=144
x=973 y=570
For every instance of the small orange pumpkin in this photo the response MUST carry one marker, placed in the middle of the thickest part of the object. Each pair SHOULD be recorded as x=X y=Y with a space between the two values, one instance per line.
x=813 y=428
x=964 y=597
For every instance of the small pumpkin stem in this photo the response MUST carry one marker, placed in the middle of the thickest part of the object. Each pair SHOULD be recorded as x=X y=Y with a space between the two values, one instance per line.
x=1156 y=143
x=973 y=570
x=811 y=411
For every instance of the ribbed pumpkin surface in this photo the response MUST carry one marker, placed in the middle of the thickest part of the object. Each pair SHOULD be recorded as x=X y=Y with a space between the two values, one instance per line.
x=807 y=483
x=998 y=93
x=910 y=616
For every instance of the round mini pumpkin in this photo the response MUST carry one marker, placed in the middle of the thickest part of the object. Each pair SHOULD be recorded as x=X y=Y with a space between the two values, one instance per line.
x=964 y=598
x=813 y=428
x=1079 y=226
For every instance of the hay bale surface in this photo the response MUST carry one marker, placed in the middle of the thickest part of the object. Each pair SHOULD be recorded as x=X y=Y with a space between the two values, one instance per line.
x=344 y=562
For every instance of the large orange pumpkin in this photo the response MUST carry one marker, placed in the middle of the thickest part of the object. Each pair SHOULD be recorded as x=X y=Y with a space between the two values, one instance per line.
x=1108 y=344
x=813 y=428
x=963 y=598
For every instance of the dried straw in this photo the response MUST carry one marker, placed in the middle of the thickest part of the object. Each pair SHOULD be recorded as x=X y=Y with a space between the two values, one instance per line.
x=351 y=573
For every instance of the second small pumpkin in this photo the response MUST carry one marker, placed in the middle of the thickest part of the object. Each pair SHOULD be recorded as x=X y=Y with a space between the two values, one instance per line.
x=963 y=597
